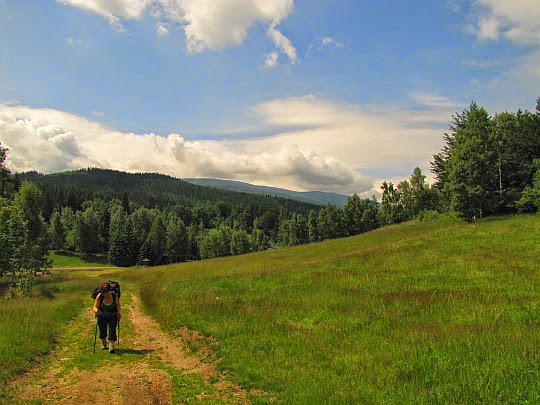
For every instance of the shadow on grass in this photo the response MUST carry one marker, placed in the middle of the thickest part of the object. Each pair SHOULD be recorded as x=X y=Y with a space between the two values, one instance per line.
x=141 y=352
x=4 y=285
x=90 y=258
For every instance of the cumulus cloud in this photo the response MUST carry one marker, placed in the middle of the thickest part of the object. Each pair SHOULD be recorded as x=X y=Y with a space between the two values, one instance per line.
x=208 y=24
x=113 y=10
x=517 y=20
x=49 y=140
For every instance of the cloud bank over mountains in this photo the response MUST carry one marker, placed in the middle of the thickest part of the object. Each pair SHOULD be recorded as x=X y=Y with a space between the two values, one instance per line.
x=316 y=144
x=207 y=24
x=50 y=140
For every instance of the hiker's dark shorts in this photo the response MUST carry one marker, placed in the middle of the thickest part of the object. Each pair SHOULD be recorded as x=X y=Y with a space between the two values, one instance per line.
x=103 y=323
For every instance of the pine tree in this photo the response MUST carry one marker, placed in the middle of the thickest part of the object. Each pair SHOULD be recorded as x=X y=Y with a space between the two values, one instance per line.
x=117 y=252
x=146 y=255
x=158 y=238
x=125 y=204
x=473 y=176
x=177 y=240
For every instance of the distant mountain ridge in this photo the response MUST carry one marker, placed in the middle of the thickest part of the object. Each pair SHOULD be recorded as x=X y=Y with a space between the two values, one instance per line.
x=313 y=197
x=147 y=189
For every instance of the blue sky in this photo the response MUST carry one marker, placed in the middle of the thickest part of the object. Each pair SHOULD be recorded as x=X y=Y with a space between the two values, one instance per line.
x=331 y=95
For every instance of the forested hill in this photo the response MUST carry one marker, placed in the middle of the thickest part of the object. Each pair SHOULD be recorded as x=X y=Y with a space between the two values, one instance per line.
x=72 y=188
x=312 y=197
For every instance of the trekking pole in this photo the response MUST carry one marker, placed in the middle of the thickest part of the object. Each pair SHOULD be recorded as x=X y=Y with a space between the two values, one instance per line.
x=118 y=320
x=95 y=336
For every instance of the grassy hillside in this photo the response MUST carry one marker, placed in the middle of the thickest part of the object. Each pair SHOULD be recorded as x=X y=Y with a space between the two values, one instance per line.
x=420 y=312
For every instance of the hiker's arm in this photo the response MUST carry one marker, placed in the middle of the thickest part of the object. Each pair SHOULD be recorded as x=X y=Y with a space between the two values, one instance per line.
x=118 y=308
x=96 y=305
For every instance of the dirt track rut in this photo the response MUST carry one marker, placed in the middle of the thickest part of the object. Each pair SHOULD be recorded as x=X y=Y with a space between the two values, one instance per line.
x=148 y=379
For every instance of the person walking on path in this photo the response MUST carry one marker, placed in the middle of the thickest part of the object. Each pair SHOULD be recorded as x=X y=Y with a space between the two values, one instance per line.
x=107 y=310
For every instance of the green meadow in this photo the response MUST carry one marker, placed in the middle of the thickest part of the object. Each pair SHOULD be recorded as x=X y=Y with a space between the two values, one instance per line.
x=66 y=259
x=30 y=325
x=422 y=312
x=428 y=312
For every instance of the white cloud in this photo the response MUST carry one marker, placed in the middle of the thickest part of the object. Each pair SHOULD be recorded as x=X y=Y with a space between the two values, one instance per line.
x=516 y=20
x=283 y=43
x=219 y=24
x=98 y=114
x=80 y=44
x=208 y=24
x=330 y=41
x=389 y=139
x=162 y=29
x=521 y=81
x=68 y=141
x=113 y=10
x=271 y=60
x=433 y=100
x=315 y=144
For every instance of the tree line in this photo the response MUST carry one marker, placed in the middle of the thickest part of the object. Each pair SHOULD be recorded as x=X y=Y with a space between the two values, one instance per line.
x=487 y=166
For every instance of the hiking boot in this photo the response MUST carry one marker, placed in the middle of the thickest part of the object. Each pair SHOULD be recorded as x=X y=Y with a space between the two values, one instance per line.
x=103 y=344
x=111 y=348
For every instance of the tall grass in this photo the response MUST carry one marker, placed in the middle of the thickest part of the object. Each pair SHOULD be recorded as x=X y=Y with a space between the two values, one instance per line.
x=420 y=312
x=30 y=326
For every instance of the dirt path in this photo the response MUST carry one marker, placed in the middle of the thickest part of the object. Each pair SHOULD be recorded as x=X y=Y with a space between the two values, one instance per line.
x=150 y=367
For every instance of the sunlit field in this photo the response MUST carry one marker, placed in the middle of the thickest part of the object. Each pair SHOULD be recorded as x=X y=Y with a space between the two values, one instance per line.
x=418 y=312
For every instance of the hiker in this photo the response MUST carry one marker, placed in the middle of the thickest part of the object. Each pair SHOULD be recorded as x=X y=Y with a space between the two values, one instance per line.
x=107 y=309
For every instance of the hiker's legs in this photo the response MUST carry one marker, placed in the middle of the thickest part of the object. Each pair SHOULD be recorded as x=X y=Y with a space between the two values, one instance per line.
x=112 y=333
x=112 y=329
x=102 y=323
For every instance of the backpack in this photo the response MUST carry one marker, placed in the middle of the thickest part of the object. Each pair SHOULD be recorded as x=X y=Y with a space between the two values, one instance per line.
x=113 y=286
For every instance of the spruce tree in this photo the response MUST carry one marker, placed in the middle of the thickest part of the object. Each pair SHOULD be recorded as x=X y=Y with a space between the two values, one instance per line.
x=177 y=240
x=146 y=255
x=158 y=238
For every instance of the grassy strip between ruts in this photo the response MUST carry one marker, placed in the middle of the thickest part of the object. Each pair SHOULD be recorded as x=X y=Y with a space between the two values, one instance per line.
x=415 y=313
x=29 y=326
